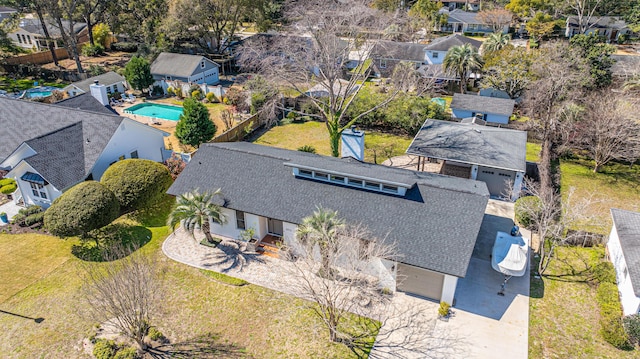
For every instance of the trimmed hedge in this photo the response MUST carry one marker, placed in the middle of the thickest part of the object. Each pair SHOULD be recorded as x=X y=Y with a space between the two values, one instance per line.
x=126 y=353
x=611 y=316
x=137 y=183
x=37 y=218
x=124 y=46
x=83 y=208
x=104 y=349
x=523 y=213
x=28 y=216
x=8 y=185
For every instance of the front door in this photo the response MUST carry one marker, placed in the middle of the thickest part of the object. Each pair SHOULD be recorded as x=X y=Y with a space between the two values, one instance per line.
x=274 y=227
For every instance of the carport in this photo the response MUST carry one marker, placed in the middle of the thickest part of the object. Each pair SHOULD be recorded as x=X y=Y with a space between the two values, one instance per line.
x=496 y=156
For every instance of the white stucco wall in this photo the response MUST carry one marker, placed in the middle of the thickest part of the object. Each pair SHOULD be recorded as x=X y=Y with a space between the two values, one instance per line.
x=432 y=59
x=630 y=302
x=130 y=136
x=449 y=288
x=25 y=187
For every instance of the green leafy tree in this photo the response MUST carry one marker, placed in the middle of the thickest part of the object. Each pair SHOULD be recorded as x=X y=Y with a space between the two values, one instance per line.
x=83 y=208
x=137 y=183
x=387 y=5
x=633 y=17
x=509 y=70
x=540 y=26
x=321 y=229
x=528 y=8
x=101 y=33
x=496 y=41
x=138 y=73
x=598 y=54
x=426 y=14
x=194 y=127
x=196 y=210
x=462 y=60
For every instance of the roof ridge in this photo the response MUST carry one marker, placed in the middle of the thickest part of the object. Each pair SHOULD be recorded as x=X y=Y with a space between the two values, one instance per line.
x=61 y=107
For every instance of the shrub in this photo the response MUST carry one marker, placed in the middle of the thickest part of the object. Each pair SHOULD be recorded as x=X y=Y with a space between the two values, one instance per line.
x=83 y=208
x=525 y=209
x=307 y=148
x=101 y=33
x=632 y=327
x=37 y=218
x=171 y=91
x=19 y=219
x=444 y=309
x=155 y=334
x=126 y=353
x=95 y=70
x=137 y=183
x=175 y=165
x=104 y=349
x=196 y=94
x=92 y=50
x=124 y=46
x=195 y=125
x=33 y=209
x=211 y=97
x=8 y=185
x=611 y=327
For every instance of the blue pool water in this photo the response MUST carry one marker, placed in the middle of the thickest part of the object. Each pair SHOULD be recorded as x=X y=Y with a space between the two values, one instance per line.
x=41 y=91
x=165 y=112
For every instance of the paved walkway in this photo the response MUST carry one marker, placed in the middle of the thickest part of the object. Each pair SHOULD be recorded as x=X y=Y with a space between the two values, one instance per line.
x=11 y=209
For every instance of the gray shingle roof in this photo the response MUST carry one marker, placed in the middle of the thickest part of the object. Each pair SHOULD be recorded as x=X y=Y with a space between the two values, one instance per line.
x=178 y=65
x=483 y=104
x=435 y=225
x=407 y=51
x=627 y=225
x=472 y=143
x=33 y=26
x=464 y=17
x=106 y=79
x=68 y=141
x=601 y=22
x=86 y=102
x=447 y=42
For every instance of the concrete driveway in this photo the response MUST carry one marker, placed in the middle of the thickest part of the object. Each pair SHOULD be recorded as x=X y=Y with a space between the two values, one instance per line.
x=493 y=326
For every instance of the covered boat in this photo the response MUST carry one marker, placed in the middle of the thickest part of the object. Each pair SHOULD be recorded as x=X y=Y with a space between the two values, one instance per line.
x=510 y=254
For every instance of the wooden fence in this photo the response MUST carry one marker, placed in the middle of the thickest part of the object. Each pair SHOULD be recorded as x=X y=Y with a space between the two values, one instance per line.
x=239 y=131
x=39 y=58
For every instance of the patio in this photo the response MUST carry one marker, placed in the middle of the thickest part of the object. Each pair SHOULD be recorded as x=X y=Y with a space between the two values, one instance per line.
x=11 y=209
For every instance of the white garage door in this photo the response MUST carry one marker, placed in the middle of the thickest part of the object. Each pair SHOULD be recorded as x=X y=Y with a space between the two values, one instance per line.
x=420 y=281
x=498 y=181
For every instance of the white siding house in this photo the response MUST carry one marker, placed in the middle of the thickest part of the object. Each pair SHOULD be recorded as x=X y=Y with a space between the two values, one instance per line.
x=170 y=69
x=624 y=251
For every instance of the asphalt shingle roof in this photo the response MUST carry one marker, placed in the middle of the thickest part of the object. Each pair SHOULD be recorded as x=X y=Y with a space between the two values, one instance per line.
x=178 y=65
x=447 y=42
x=33 y=26
x=464 y=17
x=68 y=141
x=86 y=102
x=472 y=143
x=399 y=51
x=483 y=104
x=601 y=22
x=106 y=79
x=435 y=225
x=627 y=225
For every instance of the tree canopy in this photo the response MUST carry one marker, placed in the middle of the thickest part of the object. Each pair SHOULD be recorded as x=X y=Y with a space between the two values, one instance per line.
x=598 y=54
x=462 y=60
x=138 y=73
x=194 y=127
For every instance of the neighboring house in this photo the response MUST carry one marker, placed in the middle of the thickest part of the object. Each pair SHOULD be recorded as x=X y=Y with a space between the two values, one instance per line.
x=111 y=80
x=386 y=55
x=624 y=250
x=472 y=5
x=6 y=12
x=610 y=27
x=86 y=102
x=339 y=87
x=468 y=22
x=169 y=68
x=49 y=148
x=29 y=34
x=438 y=48
x=489 y=109
x=496 y=156
x=434 y=220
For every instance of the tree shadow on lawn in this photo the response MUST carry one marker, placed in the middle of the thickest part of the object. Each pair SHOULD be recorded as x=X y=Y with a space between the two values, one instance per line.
x=112 y=240
x=205 y=346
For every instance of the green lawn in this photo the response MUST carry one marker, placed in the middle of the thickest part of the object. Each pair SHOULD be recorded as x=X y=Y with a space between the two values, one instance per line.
x=294 y=135
x=10 y=85
x=40 y=278
x=533 y=152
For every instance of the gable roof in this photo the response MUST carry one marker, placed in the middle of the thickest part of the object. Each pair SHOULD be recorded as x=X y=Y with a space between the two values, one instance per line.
x=483 y=104
x=68 y=141
x=34 y=26
x=407 y=51
x=601 y=22
x=464 y=17
x=86 y=102
x=179 y=65
x=106 y=79
x=447 y=42
x=470 y=143
x=434 y=225
x=627 y=226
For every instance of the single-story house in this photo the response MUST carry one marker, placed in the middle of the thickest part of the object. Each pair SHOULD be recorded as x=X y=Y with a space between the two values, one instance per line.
x=496 y=156
x=471 y=5
x=610 y=27
x=624 y=251
x=49 y=148
x=438 y=48
x=468 y=22
x=434 y=220
x=491 y=109
x=168 y=68
x=6 y=12
x=111 y=80
x=29 y=33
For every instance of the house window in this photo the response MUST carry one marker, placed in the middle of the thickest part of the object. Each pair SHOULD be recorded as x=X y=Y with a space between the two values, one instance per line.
x=115 y=88
x=435 y=54
x=134 y=154
x=168 y=78
x=338 y=179
x=320 y=175
x=19 y=40
x=108 y=90
x=240 y=223
x=355 y=182
x=305 y=173
x=371 y=185
x=38 y=190
x=387 y=188
x=24 y=39
x=29 y=39
x=202 y=64
x=383 y=63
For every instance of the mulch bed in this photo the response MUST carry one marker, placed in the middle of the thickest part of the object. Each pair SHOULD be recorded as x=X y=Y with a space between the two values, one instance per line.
x=16 y=229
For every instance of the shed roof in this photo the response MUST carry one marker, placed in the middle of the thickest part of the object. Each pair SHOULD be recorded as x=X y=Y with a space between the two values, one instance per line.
x=471 y=143
x=435 y=225
x=627 y=226
x=178 y=65
x=483 y=104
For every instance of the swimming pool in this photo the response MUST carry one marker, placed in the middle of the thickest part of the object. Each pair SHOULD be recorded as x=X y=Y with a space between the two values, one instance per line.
x=165 y=112
x=41 y=91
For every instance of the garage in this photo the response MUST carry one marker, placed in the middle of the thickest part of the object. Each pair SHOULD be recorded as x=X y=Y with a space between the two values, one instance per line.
x=418 y=281
x=498 y=181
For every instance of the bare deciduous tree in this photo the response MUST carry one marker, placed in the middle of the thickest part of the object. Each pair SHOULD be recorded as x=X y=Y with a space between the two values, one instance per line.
x=585 y=10
x=124 y=292
x=332 y=34
x=497 y=18
x=227 y=119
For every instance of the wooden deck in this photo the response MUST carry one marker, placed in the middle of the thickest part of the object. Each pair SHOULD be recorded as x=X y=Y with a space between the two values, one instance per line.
x=270 y=246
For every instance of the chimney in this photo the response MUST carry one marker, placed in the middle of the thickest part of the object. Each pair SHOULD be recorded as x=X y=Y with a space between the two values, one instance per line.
x=99 y=92
x=353 y=144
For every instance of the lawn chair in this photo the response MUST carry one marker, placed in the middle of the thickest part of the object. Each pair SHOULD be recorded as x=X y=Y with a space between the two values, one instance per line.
x=125 y=98
x=113 y=102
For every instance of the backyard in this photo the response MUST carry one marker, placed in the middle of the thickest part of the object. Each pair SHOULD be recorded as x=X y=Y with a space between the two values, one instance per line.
x=203 y=314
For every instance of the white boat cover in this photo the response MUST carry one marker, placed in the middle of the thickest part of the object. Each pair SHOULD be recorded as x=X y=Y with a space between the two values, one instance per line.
x=510 y=254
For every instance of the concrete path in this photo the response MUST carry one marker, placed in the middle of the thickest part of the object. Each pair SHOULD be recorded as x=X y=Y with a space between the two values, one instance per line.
x=11 y=209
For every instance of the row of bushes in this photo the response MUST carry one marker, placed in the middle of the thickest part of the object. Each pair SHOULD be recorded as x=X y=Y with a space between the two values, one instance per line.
x=108 y=349
x=30 y=216
x=8 y=185
x=92 y=50
x=611 y=327
x=124 y=46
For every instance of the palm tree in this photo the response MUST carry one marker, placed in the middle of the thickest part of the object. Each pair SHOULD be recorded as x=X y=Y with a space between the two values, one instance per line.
x=195 y=210
x=322 y=229
x=462 y=60
x=496 y=41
